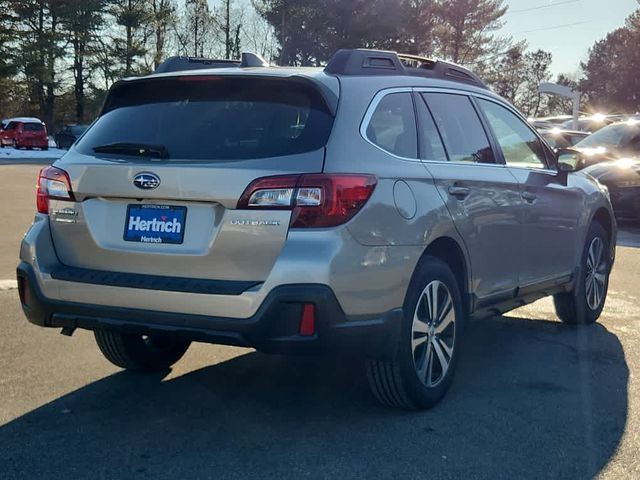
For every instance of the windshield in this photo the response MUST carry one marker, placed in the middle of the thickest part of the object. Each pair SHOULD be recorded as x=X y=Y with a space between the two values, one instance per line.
x=612 y=136
x=213 y=118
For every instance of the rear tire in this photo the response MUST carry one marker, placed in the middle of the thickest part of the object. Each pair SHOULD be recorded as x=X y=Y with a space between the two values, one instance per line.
x=584 y=304
x=423 y=367
x=143 y=353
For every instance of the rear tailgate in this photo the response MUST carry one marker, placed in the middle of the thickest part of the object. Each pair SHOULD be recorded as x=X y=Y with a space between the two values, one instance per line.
x=220 y=135
x=33 y=133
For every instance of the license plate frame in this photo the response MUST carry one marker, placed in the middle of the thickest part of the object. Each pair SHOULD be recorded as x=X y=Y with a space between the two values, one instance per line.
x=155 y=223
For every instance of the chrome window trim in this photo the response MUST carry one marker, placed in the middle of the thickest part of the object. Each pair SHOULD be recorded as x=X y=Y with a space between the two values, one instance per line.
x=373 y=105
x=377 y=98
x=383 y=93
x=466 y=93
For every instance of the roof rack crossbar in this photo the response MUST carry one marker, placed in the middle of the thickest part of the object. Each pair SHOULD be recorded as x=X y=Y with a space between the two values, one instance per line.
x=379 y=62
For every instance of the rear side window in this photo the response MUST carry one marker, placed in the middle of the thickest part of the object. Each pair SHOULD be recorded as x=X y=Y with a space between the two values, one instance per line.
x=33 y=127
x=392 y=126
x=461 y=130
x=213 y=118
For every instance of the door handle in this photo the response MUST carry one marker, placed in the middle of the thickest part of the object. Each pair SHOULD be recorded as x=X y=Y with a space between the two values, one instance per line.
x=459 y=192
x=529 y=197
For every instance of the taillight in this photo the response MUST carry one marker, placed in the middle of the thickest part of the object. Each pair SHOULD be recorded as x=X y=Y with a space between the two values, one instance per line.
x=317 y=200
x=53 y=184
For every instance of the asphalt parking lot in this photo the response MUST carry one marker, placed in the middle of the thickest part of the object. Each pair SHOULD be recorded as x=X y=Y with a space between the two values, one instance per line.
x=533 y=399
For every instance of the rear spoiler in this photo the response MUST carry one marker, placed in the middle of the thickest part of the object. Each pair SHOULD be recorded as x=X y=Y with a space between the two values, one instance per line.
x=329 y=97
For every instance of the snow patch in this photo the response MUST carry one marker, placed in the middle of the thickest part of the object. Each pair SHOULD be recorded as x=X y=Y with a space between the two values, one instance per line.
x=9 y=153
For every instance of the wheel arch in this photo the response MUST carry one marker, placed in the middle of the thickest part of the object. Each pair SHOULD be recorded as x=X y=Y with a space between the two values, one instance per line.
x=453 y=254
x=605 y=219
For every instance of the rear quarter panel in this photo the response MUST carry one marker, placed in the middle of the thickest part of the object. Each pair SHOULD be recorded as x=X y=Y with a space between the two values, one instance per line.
x=413 y=216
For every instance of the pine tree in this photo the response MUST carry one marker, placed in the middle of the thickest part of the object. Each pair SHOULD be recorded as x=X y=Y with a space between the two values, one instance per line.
x=81 y=21
x=611 y=77
x=163 y=16
x=39 y=43
x=310 y=31
x=466 y=29
x=129 y=45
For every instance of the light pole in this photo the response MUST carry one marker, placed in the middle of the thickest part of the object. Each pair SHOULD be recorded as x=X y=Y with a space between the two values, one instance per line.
x=564 y=91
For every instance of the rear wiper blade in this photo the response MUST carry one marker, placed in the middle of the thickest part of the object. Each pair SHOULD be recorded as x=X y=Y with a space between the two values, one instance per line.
x=138 y=149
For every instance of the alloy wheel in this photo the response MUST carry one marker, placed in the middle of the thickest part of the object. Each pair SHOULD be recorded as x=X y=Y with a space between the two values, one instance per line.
x=433 y=333
x=596 y=277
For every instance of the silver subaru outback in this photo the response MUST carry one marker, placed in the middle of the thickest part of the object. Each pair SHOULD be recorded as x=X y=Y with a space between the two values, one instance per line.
x=371 y=207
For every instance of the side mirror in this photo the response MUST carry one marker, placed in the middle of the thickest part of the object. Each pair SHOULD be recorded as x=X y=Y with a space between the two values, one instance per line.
x=567 y=160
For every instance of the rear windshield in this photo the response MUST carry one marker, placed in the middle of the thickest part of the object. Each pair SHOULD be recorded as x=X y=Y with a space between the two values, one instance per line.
x=33 y=127
x=213 y=118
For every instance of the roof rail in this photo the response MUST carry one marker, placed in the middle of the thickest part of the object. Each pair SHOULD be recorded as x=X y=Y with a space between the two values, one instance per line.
x=379 y=62
x=176 y=64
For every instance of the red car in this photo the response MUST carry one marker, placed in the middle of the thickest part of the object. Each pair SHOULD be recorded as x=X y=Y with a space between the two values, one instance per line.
x=25 y=132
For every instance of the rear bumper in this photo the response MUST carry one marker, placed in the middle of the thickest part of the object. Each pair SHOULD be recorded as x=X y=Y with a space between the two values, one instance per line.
x=32 y=142
x=274 y=328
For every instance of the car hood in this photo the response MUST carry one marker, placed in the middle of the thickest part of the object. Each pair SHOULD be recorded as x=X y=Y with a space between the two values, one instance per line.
x=620 y=172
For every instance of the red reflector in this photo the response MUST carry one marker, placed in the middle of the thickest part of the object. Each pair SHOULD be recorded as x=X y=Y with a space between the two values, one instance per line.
x=308 y=321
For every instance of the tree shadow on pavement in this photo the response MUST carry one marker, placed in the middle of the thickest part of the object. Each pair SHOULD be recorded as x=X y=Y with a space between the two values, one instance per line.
x=532 y=399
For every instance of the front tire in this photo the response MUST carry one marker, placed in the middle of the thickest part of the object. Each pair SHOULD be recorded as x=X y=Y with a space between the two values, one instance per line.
x=423 y=367
x=584 y=304
x=143 y=353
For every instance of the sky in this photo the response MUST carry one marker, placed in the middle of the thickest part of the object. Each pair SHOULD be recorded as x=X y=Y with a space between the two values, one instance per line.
x=566 y=28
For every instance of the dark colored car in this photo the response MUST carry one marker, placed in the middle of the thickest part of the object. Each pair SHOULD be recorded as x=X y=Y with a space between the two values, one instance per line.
x=25 y=133
x=559 y=138
x=613 y=142
x=622 y=178
x=69 y=134
x=589 y=124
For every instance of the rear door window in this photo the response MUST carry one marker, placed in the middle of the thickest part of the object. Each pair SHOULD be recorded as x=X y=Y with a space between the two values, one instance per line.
x=392 y=126
x=460 y=127
x=213 y=118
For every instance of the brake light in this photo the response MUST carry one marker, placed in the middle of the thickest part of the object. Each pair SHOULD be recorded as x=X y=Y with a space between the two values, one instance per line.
x=316 y=200
x=53 y=184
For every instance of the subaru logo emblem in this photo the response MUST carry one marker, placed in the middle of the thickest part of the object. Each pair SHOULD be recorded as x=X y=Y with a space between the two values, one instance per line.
x=146 y=181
